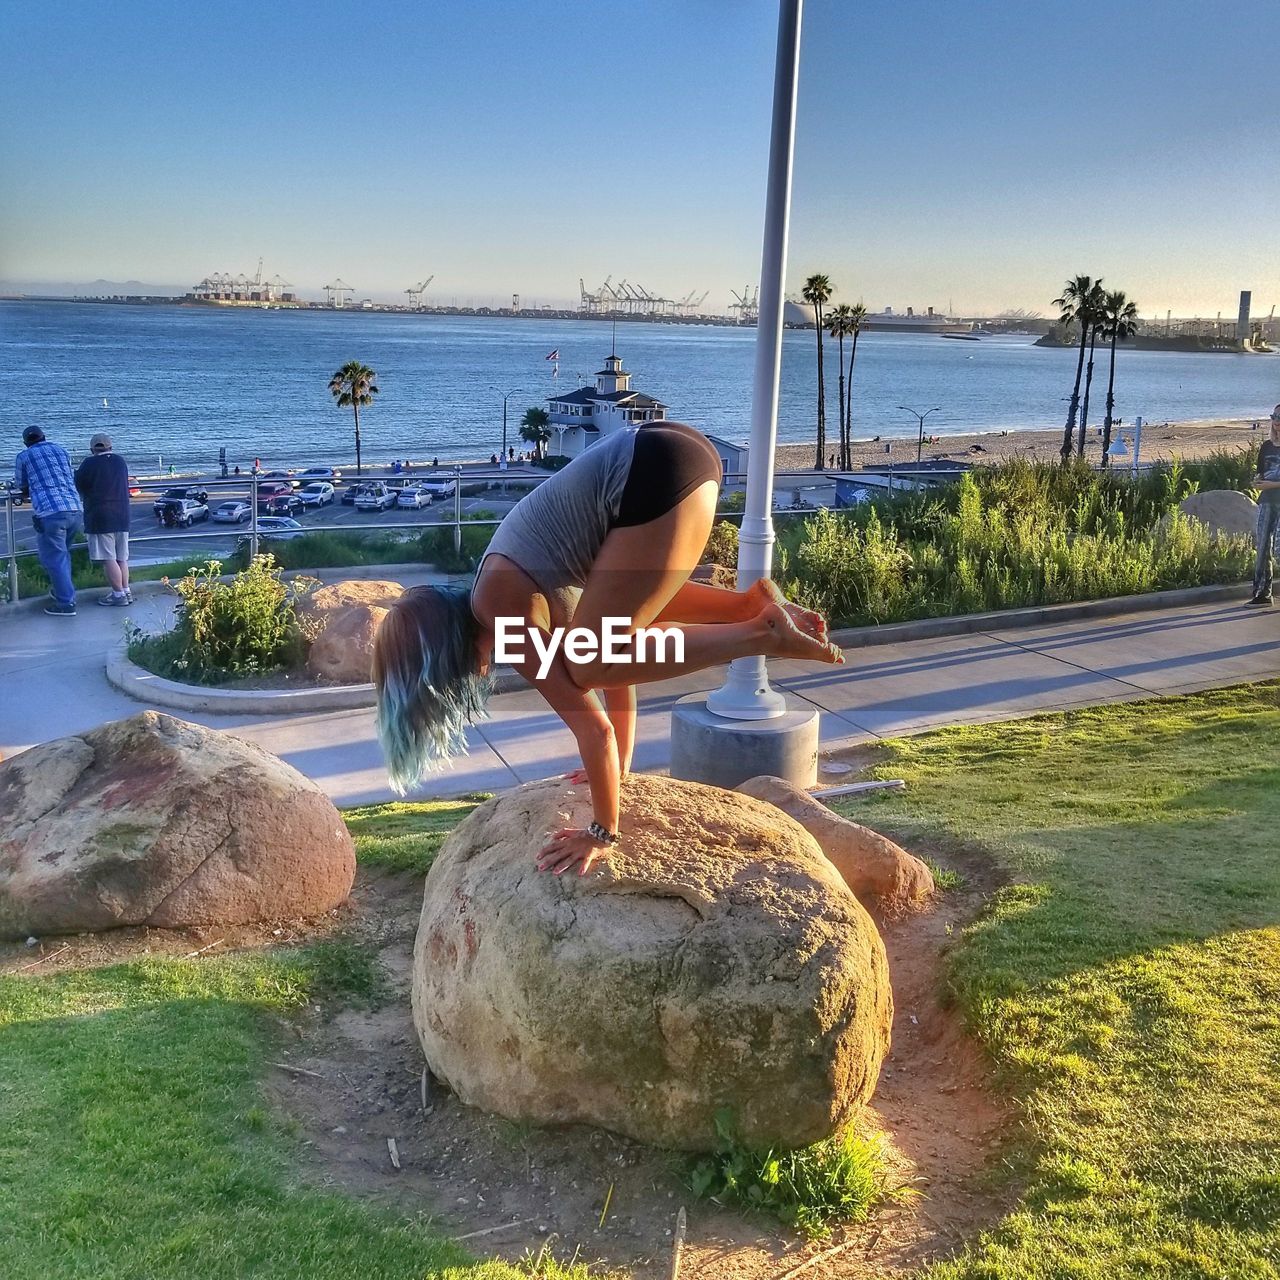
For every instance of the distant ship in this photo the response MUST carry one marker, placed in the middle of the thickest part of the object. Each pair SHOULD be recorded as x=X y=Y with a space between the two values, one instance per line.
x=799 y=315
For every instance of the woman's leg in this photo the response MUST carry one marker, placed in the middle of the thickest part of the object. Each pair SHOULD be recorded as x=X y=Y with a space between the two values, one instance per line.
x=640 y=571
x=701 y=602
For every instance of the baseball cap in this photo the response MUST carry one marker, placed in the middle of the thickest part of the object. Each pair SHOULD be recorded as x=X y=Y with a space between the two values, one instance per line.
x=99 y=440
x=32 y=435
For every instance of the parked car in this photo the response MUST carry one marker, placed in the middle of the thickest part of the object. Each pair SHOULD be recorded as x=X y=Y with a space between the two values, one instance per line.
x=236 y=512
x=376 y=497
x=285 y=477
x=273 y=489
x=284 y=504
x=350 y=494
x=182 y=512
x=274 y=529
x=440 y=488
x=134 y=491
x=319 y=493
x=320 y=473
x=192 y=493
x=415 y=499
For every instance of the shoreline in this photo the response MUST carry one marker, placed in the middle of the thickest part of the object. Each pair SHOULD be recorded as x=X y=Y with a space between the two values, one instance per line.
x=1161 y=442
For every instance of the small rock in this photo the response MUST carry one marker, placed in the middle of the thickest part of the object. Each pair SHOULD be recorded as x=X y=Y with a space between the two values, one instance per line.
x=33 y=942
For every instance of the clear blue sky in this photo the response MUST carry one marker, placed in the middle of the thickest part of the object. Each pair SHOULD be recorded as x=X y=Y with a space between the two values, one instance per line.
x=968 y=152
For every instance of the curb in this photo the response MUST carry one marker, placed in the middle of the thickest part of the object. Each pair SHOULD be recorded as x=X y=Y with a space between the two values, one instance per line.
x=138 y=683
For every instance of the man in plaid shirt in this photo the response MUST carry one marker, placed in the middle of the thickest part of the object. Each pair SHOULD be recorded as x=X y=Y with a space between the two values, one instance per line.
x=43 y=471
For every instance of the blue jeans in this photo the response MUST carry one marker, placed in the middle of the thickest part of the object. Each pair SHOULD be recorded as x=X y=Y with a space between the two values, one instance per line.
x=1266 y=539
x=53 y=546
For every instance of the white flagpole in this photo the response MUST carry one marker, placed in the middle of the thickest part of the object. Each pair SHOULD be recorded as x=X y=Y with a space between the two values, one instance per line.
x=745 y=694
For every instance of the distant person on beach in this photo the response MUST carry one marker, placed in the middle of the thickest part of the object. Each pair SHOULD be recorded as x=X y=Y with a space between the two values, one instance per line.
x=103 y=481
x=607 y=545
x=1265 y=536
x=42 y=473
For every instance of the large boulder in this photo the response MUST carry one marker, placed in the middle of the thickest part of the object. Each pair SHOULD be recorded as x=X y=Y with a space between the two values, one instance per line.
x=343 y=619
x=715 y=960
x=879 y=872
x=1224 y=511
x=154 y=821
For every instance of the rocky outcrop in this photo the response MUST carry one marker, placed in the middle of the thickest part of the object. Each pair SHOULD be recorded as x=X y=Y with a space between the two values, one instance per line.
x=154 y=821
x=714 y=961
x=880 y=873
x=1224 y=511
x=343 y=619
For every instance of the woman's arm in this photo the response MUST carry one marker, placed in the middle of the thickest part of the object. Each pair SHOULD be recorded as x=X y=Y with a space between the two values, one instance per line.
x=594 y=733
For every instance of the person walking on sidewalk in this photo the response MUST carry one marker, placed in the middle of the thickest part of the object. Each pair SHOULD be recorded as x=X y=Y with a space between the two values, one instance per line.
x=1268 y=482
x=42 y=472
x=103 y=481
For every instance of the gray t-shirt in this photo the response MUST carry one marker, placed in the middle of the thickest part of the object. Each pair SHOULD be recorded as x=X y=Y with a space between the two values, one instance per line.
x=555 y=533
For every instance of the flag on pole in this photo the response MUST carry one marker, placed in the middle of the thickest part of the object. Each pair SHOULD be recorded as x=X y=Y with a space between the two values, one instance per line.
x=555 y=355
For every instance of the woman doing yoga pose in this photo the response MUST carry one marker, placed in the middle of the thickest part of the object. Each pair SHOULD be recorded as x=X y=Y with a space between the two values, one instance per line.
x=615 y=535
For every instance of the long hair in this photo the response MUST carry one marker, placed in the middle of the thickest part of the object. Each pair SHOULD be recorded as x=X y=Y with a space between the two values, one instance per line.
x=428 y=684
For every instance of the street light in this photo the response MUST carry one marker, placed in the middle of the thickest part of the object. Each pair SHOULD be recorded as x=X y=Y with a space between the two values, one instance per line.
x=505 y=398
x=920 y=417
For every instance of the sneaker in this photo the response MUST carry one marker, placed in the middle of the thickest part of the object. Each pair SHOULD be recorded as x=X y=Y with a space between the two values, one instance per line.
x=111 y=600
x=128 y=596
x=1259 y=602
x=56 y=610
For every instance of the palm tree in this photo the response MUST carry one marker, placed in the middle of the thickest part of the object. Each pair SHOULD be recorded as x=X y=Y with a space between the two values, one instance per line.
x=1097 y=318
x=354 y=385
x=1074 y=307
x=817 y=293
x=1121 y=322
x=857 y=318
x=535 y=427
x=838 y=326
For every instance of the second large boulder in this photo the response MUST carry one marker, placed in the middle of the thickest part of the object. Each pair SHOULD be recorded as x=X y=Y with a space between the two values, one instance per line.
x=154 y=821
x=714 y=962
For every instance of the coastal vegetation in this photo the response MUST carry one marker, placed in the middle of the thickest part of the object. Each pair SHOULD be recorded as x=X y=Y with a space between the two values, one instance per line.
x=1010 y=536
x=846 y=322
x=1123 y=979
x=1096 y=313
x=353 y=387
x=817 y=293
x=535 y=429
x=224 y=630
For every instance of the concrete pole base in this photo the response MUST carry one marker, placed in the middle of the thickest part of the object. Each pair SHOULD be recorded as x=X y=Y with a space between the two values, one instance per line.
x=708 y=748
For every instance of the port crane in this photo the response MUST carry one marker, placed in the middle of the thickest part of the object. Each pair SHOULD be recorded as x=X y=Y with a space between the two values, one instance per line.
x=335 y=293
x=746 y=304
x=415 y=292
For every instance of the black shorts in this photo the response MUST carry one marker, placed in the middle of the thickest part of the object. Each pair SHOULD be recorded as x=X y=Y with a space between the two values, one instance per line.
x=669 y=463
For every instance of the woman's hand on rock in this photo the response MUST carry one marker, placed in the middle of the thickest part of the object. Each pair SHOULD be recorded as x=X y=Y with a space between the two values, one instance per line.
x=571 y=847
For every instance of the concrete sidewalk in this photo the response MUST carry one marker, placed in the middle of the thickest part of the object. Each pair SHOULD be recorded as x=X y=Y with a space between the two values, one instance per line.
x=52 y=684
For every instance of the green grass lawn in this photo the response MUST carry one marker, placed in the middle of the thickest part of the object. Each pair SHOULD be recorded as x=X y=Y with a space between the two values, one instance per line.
x=1127 y=980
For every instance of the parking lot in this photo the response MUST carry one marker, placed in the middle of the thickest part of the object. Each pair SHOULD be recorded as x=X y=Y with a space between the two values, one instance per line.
x=484 y=490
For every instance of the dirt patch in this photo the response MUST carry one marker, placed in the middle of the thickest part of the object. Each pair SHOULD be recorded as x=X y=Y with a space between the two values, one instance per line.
x=355 y=1081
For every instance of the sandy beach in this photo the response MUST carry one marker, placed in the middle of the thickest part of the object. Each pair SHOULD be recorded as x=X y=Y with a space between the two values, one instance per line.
x=1160 y=441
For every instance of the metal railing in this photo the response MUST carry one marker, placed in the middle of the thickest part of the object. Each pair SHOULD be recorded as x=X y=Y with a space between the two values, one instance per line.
x=491 y=479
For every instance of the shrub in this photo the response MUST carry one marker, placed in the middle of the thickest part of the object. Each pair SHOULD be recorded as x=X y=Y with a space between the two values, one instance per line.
x=224 y=630
x=810 y=1189
x=722 y=545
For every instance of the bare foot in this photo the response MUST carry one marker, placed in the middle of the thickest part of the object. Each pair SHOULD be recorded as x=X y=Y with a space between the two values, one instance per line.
x=791 y=642
x=764 y=591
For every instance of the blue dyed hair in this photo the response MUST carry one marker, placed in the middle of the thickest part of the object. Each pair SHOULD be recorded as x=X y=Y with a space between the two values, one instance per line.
x=428 y=683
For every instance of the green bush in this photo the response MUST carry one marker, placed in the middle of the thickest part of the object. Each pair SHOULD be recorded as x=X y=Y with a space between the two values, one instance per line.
x=1009 y=536
x=224 y=630
x=722 y=545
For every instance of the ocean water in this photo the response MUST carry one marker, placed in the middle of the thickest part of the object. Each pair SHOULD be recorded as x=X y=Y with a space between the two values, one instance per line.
x=179 y=382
